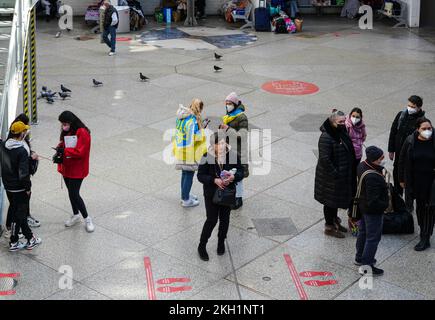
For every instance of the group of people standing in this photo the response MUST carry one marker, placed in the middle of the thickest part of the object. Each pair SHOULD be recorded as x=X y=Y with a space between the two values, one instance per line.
x=19 y=162
x=340 y=172
x=221 y=167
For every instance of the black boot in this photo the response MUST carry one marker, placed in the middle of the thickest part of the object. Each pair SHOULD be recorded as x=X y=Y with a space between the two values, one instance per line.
x=239 y=203
x=202 y=251
x=221 y=247
x=423 y=244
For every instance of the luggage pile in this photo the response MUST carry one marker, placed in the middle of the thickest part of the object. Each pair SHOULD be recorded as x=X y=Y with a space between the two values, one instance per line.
x=269 y=18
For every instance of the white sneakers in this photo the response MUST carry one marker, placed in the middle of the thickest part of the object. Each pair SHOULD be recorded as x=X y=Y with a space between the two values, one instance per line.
x=189 y=203
x=90 y=227
x=112 y=53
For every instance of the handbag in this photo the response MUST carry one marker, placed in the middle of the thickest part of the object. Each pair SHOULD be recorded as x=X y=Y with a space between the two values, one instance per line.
x=225 y=197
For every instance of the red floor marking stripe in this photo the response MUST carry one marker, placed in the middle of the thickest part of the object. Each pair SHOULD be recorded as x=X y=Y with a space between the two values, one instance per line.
x=294 y=274
x=319 y=283
x=173 y=289
x=9 y=275
x=7 y=293
x=150 y=281
x=172 y=280
x=309 y=274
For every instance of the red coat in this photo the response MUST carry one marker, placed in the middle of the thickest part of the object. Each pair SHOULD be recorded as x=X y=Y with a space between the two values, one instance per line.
x=76 y=160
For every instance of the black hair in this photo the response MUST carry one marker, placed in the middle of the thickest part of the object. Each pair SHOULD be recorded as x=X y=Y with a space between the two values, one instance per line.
x=74 y=122
x=418 y=101
x=420 y=121
x=357 y=110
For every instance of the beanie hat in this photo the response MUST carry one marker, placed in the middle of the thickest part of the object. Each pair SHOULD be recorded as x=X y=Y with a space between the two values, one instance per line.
x=373 y=153
x=233 y=98
x=19 y=127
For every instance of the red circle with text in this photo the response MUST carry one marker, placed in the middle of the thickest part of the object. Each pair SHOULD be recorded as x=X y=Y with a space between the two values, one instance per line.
x=290 y=87
x=123 y=39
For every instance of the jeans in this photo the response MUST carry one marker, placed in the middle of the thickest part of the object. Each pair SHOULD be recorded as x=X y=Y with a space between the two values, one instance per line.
x=112 y=42
x=293 y=8
x=77 y=203
x=186 y=184
x=369 y=236
x=18 y=207
x=331 y=215
x=215 y=213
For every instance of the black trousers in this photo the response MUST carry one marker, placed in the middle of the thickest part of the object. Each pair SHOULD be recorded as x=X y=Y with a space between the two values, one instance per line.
x=331 y=215
x=17 y=213
x=77 y=203
x=215 y=213
x=397 y=186
x=425 y=217
x=8 y=217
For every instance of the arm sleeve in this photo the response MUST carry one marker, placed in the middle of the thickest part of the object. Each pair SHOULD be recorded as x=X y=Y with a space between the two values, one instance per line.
x=393 y=133
x=402 y=160
x=114 y=19
x=240 y=173
x=203 y=174
x=83 y=142
x=23 y=170
x=325 y=154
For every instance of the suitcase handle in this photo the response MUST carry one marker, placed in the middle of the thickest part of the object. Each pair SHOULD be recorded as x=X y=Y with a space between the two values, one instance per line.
x=262 y=4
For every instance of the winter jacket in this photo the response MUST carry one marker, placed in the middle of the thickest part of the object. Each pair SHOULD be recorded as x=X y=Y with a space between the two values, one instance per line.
x=357 y=134
x=238 y=127
x=108 y=17
x=406 y=165
x=209 y=170
x=374 y=197
x=76 y=160
x=335 y=179
x=15 y=165
x=189 y=141
x=403 y=125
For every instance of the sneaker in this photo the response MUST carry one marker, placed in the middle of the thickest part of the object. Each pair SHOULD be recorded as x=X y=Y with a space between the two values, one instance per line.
x=32 y=222
x=72 y=221
x=189 y=203
x=89 y=225
x=32 y=243
x=194 y=197
x=376 y=272
x=359 y=263
x=16 y=246
x=112 y=53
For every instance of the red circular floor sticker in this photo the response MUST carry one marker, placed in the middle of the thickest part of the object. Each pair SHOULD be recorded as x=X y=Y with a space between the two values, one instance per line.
x=123 y=39
x=290 y=87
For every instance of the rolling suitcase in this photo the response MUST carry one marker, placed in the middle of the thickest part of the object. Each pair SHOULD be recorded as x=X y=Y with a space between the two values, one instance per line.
x=262 y=17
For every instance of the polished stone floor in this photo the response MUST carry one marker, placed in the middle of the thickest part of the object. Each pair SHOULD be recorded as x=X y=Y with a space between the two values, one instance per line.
x=144 y=245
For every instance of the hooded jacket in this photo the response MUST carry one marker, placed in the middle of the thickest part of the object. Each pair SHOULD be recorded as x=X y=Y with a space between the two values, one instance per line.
x=357 y=133
x=189 y=141
x=15 y=157
x=335 y=179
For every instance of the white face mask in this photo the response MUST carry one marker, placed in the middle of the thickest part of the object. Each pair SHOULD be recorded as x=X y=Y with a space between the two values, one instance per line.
x=426 y=134
x=230 y=108
x=383 y=163
x=355 y=120
x=411 y=110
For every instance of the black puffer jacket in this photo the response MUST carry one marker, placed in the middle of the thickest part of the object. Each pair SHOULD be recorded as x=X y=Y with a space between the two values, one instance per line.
x=374 y=190
x=403 y=125
x=335 y=179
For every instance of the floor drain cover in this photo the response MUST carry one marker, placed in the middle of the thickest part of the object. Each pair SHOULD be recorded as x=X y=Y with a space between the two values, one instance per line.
x=7 y=284
x=275 y=227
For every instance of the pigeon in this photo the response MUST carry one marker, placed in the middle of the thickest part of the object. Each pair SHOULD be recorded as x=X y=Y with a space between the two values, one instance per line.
x=142 y=77
x=50 y=94
x=50 y=100
x=64 y=95
x=216 y=56
x=97 y=83
x=64 y=89
x=44 y=89
x=216 y=68
x=58 y=34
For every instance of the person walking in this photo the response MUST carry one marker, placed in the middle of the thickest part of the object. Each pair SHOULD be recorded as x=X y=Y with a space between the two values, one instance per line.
x=235 y=123
x=188 y=147
x=110 y=24
x=403 y=125
x=15 y=167
x=335 y=177
x=220 y=169
x=74 y=151
x=373 y=202
x=416 y=176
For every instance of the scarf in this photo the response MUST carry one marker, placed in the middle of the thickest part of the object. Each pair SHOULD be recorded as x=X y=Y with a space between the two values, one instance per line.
x=232 y=115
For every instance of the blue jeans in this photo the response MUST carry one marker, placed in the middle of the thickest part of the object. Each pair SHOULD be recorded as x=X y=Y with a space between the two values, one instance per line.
x=369 y=236
x=112 y=42
x=186 y=184
x=293 y=8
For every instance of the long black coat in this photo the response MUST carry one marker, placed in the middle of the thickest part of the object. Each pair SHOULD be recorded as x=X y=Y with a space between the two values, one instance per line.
x=335 y=179
x=401 y=129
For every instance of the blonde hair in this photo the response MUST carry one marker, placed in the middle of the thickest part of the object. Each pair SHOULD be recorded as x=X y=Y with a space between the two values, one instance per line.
x=196 y=109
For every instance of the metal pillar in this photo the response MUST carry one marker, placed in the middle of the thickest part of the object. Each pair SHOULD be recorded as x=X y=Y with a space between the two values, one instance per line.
x=33 y=65
x=190 y=19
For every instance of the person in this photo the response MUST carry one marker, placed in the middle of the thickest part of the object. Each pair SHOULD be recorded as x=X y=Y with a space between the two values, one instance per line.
x=292 y=9
x=373 y=201
x=15 y=167
x=416 y=175
x=235 y=123
x=335 y=177
x=403 y=125
x=200 y=9
x=74 y=166
x=357 y=132
x=33 y=222
x=110 y=24
x=51 y=8
x=220 y=168
x=350 y=9
x=188 y=146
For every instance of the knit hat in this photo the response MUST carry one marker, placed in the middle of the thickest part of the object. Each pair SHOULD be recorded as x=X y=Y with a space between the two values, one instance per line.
x=373 y=153
x=19 y=127
x=233 y=98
